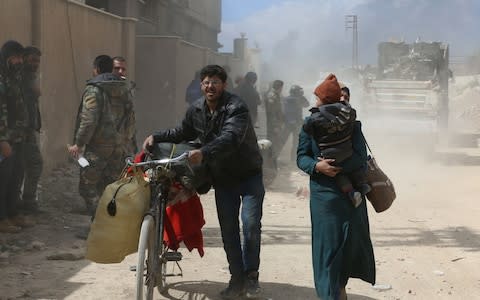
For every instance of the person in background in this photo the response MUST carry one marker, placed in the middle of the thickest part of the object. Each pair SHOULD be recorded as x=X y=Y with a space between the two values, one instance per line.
x=345 y=94
x=275 y=117
x=230 y=85
x=221 y=122
x=238 y=80
x=194 y=90
x=293 y=109
x=247 y=91
x=104 y=128
x=120 y=70
x=13 y=127
x=120 y=67
x=32 y=155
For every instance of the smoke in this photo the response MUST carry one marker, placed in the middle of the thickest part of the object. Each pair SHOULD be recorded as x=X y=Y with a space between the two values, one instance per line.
x=305 y=38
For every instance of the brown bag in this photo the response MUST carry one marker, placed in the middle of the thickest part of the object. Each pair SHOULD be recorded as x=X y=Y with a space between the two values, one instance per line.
x=383 y=193
x=115 y=229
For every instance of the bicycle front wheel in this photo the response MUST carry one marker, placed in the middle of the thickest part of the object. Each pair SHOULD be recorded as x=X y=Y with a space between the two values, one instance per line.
x=146 y=260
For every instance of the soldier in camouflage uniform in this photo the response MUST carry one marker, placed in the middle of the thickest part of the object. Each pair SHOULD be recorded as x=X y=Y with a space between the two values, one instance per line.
x=32 y=156
x=293 y=108
x=120 y=70
x=13 y=126
x=275 y=117
x=105 y=128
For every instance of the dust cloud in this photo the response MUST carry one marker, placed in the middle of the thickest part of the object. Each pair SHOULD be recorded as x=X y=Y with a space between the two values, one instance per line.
x=302 y=41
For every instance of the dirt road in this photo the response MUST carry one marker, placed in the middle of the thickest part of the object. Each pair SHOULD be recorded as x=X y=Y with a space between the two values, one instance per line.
x=427 y=246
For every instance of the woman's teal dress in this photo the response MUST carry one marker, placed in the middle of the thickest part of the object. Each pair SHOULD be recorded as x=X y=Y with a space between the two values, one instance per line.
x=341 y=245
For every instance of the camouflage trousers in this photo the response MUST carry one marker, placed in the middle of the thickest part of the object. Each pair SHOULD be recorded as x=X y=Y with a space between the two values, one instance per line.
x=33 y=170
x=294 y=130
x=11 y=176
x=275 y=134
x=106 y=165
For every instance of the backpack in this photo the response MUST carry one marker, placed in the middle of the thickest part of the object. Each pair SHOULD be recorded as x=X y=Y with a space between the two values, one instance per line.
x=116 y=124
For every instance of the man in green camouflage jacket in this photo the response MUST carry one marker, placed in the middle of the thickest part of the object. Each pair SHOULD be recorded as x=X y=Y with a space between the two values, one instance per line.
x=105 y=127
x=32 y=156
x=13 y=125
x=275 y=117
x=120 y=70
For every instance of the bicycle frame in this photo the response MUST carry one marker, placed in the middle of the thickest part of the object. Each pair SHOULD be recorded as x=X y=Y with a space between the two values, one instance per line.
x=160 y=181
x=159 y=199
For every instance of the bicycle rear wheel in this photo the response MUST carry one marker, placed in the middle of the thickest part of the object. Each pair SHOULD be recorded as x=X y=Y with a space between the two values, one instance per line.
x=146 y=260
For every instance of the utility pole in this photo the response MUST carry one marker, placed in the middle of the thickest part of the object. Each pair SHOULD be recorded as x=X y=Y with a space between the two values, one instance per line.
x=351 y=22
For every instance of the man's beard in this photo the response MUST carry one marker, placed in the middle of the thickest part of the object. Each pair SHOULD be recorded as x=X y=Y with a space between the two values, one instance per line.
x=15 y=68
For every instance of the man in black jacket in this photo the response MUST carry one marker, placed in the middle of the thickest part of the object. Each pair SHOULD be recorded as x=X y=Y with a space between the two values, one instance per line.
x=248 y=92
x=230 y=151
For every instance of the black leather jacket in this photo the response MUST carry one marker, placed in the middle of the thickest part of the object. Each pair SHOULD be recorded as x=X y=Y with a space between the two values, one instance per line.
x=230 y=147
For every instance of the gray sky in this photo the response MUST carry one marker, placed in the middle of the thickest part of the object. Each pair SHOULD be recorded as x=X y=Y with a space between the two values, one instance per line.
x=311 y=33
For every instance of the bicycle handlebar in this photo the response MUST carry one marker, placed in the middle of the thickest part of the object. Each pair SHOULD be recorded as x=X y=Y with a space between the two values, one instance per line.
x=157 y=162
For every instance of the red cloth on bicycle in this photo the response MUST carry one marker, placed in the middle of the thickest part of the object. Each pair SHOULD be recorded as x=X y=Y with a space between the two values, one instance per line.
x=139 y=157
x=183 y=223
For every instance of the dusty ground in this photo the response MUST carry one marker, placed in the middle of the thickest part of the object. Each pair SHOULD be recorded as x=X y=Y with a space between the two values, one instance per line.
x=427 y=246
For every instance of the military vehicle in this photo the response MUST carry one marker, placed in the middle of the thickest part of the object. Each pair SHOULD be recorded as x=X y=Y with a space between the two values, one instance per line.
x=411 y=80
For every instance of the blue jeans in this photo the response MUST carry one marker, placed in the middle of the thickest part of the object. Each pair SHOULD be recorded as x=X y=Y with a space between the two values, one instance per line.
x=249 y=193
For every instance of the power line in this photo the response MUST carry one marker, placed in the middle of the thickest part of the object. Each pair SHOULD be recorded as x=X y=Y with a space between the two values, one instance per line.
x=351 y=22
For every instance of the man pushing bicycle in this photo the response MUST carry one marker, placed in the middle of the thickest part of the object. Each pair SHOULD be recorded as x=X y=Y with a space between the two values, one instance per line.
x=221 y=121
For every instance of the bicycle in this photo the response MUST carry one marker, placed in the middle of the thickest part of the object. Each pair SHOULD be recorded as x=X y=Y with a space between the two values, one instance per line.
x=153 y=253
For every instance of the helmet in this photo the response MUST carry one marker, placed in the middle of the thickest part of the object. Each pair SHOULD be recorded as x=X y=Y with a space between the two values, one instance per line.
x=296 y=90
x=251 y=77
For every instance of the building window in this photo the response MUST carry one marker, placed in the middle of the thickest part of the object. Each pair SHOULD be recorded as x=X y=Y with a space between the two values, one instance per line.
x=147 y=9
x=100 y=4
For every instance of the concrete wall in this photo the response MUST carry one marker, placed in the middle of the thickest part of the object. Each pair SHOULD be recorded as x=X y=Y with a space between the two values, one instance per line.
x=70 y=35
x=15 y=20
x=155 y=101
x=195 y=21
x=208 y=17
x=166 y=65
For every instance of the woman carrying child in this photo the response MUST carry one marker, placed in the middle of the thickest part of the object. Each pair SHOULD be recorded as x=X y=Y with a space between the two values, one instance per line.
x=341 y=245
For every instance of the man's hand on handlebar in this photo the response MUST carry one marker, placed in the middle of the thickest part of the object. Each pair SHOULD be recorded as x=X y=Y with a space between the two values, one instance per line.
x=195 y=157
x=5 y=149
x=148 y=144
